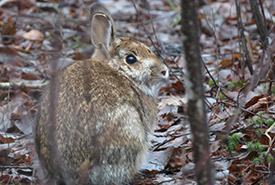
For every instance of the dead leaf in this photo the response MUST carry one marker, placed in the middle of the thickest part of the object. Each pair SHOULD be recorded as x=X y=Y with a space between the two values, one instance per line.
x=34 y=35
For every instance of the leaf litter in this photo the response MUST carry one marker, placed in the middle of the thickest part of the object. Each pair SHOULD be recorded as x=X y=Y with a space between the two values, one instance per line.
x=241 y=139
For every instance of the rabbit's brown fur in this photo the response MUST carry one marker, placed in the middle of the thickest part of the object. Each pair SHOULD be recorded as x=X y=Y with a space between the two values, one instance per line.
x=101 y=111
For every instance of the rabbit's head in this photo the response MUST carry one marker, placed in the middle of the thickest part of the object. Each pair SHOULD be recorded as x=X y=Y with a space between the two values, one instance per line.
x=130 y=57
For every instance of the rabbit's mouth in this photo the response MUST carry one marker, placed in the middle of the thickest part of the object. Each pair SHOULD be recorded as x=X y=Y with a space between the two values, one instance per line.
x=153 y=86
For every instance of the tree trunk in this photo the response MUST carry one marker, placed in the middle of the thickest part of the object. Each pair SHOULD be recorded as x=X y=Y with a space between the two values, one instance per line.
x=195 y=93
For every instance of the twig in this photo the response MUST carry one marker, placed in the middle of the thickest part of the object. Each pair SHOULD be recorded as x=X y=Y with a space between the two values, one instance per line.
x=216 y=85
x=213 y=30
x=19 y=167
x=156 y=147
x=249 y=47
x=260 y=171
x=154 y=45
x=244 y=41
x=153 y=27
x=217 y=54
x=260 y=69
x=165 y=181
x=260 y=20
x=7 y=85
x=271 y=141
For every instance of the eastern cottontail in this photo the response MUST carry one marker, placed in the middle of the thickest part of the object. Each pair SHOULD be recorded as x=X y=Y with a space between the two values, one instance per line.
x=94 y=118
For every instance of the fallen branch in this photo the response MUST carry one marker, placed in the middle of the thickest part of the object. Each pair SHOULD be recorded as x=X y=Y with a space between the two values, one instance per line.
x=8 y=85
x=18 y=167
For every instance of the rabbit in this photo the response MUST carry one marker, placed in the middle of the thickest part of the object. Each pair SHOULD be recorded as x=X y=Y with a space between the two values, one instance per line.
x=95 y=117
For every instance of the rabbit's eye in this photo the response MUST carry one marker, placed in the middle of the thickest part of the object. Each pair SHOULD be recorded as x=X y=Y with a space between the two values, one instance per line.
x=131 y=59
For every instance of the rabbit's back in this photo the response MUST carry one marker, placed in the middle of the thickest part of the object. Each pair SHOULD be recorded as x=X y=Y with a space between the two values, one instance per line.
x=101 y=118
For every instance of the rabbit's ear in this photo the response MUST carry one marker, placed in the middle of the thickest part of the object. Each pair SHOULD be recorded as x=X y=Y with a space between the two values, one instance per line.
x=102 y=28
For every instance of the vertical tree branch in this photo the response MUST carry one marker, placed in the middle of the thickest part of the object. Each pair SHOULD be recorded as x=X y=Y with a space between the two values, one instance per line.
x=259 y=19
x=244 y=41
x=57 y=45
x=195 y=93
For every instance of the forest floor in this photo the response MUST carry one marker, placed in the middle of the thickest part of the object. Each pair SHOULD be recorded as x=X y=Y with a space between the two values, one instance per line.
x=240 y=105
